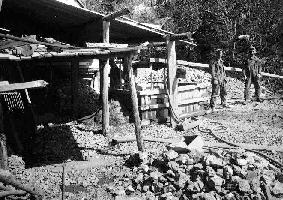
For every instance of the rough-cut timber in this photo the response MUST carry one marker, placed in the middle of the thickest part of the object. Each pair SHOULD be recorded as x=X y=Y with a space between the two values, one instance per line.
x=114 y=15
x=134 y=99
x=104 y=78
x=7 y=178
x=104 y=95
x=172 y=81
x=22 y=86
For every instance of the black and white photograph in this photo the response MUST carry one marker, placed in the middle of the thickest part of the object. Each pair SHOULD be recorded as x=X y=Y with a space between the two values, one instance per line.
x=141 y=99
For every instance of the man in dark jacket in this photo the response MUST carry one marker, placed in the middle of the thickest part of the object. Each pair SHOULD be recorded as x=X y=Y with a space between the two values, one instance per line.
x=209 y=41
x=252 y=66
x=218 y=79
x=252 y=74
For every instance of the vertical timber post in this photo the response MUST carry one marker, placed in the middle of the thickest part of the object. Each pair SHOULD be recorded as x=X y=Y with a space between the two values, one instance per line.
x=105 y=69
x=74 y=85
x=1 y=1
x=134 y=98
x=172 y=83
x=3 y=144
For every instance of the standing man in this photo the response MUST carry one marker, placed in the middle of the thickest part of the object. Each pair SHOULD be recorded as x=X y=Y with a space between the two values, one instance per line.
x=252 y=74
x=209 y=38
x=218 y=79
x=252 y=66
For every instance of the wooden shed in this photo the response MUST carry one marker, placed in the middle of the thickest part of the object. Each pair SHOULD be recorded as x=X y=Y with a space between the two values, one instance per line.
x=78 y=26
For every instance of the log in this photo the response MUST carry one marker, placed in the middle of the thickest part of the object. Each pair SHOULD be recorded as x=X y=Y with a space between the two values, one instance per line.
x=134 y=98
x=23 y=86
x=106 y=31
x=114 y=15
x=148 y=139
x=7 y=178
x=105 y=81
x=11 y=192
x=1 y=4
x=172 y=81
x=157 y=44
x=35 y=41
x=104 y=95
x=3 y=146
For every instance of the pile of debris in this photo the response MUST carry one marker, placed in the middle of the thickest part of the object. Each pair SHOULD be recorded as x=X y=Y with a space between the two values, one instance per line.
x=218 y=174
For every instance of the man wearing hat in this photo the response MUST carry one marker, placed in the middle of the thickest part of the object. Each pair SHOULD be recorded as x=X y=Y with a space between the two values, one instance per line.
x=252 y=67
x=208 y=38
x=218 y=79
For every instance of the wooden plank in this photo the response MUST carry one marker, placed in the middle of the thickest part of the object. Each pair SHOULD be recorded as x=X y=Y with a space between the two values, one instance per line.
x=192 y=87
x=193 y=114
x=154 y=106
x=106 y=45
x=271 y=75
x=4 y=83
x=23 y=86
x=134 y=99
x=151 y=92
x=114 y=15
x=193 y=100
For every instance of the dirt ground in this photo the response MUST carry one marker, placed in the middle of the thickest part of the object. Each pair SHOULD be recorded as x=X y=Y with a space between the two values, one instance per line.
x=255 y=123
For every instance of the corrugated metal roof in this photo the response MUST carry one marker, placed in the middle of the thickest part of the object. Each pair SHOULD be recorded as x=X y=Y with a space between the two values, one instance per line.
x=51 y=18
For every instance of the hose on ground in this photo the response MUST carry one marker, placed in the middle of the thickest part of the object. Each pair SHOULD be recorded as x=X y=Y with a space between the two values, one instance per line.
x=221 y=128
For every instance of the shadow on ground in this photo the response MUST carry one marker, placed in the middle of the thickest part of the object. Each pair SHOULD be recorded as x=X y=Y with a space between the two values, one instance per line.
x=53 y=145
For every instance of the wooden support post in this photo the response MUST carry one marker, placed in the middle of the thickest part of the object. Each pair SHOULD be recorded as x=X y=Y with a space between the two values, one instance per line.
x=74 y=85
x=104 y=94
x=106 y=70
x=3 y=147
x=106 y=31
x=1 y=4
x=134 y=98
x=151 y=76
x=104 y=82
x=172 y=81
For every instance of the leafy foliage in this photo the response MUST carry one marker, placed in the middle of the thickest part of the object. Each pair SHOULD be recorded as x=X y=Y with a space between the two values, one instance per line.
x=261 y=19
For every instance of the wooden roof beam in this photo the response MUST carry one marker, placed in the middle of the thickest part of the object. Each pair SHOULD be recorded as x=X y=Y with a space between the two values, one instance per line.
x=22 y=86
x=114 y=15
x=181 y=36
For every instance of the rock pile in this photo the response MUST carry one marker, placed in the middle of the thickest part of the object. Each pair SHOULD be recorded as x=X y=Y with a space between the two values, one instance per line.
x=228 y=175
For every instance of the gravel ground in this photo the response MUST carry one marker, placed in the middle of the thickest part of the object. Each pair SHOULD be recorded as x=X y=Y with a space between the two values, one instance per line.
x=256 y=123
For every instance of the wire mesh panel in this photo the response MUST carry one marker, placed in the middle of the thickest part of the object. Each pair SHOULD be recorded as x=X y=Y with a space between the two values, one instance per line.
x=13 y=101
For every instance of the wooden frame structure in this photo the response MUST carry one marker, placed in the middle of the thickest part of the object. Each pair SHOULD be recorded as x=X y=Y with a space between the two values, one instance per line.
x=104 y=54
